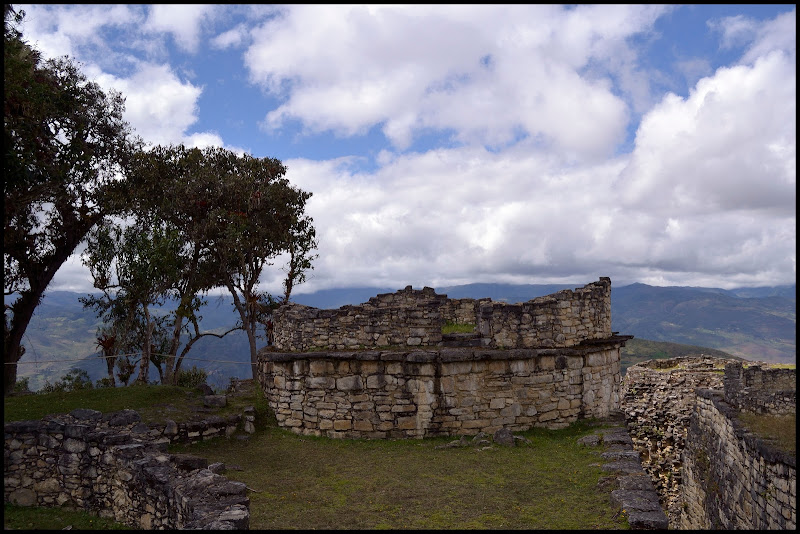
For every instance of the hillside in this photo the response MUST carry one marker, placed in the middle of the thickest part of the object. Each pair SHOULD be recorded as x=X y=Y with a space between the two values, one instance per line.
x=756 y=328
x=751 y=323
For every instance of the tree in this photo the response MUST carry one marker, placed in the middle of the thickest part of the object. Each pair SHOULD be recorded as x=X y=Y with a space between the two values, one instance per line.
x=257 y=215
x=227 y=216
x=235 y=214
x=134 y=267
x=66 y=147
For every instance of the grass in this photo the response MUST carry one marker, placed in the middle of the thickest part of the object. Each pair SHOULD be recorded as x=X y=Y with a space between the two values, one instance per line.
x=154 y=403
x=314 y=483
x=33 y=518
x=780 y=430
x=304 y=482
x=458 y=328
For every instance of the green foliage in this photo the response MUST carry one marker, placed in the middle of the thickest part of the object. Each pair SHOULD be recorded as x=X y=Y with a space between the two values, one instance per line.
x=74 y=380
x=105 y=383
x=125 y=369
x=22 y=385
x=198 y=220
x=65 y=146
x=192 y=377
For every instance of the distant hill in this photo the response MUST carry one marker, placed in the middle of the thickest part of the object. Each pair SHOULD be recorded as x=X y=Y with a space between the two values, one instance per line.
x=756 y=328
x=751 y=323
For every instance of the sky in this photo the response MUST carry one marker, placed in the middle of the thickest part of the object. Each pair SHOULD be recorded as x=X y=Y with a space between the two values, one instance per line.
x=455 y=144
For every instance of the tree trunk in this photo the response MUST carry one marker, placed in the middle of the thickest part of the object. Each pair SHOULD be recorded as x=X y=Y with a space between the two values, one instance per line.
x=25 y=305
x=22 y=309
x=248 y=325
x=251 y=337
x=144 y=364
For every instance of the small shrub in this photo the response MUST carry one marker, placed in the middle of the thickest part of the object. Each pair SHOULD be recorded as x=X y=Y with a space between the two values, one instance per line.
x=105 y=383
x=125 y=369
x=74 y=380
x=192 y=377
x=51 y=388
x=77 y=379
x=22 y=385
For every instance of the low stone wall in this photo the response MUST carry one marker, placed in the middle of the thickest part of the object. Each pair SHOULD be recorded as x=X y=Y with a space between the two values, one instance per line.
x=757 y=390
x=563 y=319
x=415 y=318
x=113 y=465
x=658 y=398
x=458 y=391
x=732 y=479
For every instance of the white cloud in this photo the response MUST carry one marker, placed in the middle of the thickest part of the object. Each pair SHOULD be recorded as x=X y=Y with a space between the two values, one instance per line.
x=537 y=100
x=182 y=21
x=71 y=29
x=728 y=146
x=489 y=73
x=777 y=34
x=231 y=38
x=158 y=105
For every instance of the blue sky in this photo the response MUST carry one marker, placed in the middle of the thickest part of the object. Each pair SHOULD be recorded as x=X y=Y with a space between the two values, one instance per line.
x=450 y=144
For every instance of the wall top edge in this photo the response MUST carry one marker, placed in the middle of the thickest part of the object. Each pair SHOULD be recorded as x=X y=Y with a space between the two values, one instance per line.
x=430 y=292
x=766 y=449
x=443 y=354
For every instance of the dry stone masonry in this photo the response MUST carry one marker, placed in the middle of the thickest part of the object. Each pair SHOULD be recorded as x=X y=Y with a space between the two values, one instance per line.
x=708 y=470
x=117 y=467
x=414 y=318
x=385 y=370
x=733 y=479
x=658 y=398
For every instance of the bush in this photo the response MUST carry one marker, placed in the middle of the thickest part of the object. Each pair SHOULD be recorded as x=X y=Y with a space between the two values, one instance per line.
x=22 y=385
x=192 y=377
x=74 y=380
x=104 y=383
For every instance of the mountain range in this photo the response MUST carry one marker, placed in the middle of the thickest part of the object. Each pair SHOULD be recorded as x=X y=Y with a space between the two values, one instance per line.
x=751 y=323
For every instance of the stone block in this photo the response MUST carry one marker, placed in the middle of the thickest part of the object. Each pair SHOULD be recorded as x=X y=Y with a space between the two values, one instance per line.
x=342 y=424
x=349 y=383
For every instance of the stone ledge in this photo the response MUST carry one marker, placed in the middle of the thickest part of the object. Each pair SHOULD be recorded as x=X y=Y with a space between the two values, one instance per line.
x=635 y=493
x=444 y=354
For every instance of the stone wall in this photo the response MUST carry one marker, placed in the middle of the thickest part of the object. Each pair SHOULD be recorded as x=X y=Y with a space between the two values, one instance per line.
x=462 y=311
x=563 y=319
x=415 y=318
x=409 y=317
x=450 y=391
x=113 y=465
x=757 y=390
x=658 y=398
x=733 y=479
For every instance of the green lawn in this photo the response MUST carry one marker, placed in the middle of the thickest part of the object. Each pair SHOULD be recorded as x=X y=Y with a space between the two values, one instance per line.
x=302 y=482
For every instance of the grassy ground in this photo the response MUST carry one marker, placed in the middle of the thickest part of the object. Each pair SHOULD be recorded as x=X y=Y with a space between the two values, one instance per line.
x=458 y=328
x=154 y=403
x=781 y=430
x=319 y=483
x=32 y=518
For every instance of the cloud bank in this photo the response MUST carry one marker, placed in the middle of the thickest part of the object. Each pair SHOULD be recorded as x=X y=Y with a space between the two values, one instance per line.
x=525 y=144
